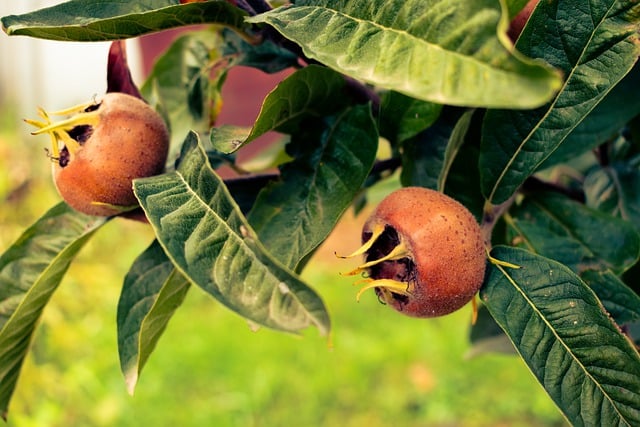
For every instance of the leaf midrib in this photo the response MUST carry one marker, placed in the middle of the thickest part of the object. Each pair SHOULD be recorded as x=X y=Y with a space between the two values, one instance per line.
x=562 y=342
x=551 y=108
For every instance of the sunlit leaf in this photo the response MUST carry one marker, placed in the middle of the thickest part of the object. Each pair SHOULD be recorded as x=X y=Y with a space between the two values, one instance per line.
x=89 y=20
x=559 y=327
x=449 y=52
x=294 y=215
x=152 y=291
x=312 y=91
x=595 y=47
x=208 y=239
x=30 y=271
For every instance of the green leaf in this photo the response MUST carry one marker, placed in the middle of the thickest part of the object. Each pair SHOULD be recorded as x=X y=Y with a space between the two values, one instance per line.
x=208 y=239
x=423 y=156
x=403 y=117
x=616 y=190
x=618 y=299
x=595 y=47
x=458 y=134
x=580 y=237
x=152 y=291
x=312 y=91
x=30 y=271
x=604 y=122
x=180 y=83
x=559 y=327
x=294 y=215
x=449 y=52
x=88 y=20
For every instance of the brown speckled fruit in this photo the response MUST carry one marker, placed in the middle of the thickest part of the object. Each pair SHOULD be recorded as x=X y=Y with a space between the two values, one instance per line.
x=101 y=148
x=424 y=253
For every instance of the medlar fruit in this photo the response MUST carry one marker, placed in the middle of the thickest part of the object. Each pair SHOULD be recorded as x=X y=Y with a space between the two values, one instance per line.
x=424 y=253
x=101 y=148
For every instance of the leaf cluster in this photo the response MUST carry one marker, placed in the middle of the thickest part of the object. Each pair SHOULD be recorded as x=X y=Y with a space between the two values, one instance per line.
x=538 y=136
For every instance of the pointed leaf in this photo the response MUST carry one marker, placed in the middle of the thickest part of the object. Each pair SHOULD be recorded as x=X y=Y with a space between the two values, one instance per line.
x=580 y=237
x=88 y=20
x=30 y=271
x=604 y=122
x=208 y=239
x=595 y=46
x=294 y=215
x=151 y=293
x=448 y=52
x=566 y=338
x=312 y=91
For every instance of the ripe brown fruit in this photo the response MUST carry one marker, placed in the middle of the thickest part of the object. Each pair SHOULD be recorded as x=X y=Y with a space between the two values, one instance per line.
x=424 y=253
x=101 y=148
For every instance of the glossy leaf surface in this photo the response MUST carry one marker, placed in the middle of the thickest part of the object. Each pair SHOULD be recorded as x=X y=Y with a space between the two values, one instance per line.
x=595 y=47
x=566 y=338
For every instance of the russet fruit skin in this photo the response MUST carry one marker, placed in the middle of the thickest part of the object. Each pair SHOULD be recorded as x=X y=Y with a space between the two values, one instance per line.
x=120 y=138
x=424 y=253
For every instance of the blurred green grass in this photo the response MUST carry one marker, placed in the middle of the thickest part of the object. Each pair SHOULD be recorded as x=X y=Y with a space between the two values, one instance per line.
x=379 y=369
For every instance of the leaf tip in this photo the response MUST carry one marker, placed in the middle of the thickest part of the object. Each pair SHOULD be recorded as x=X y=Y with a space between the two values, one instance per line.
x=131 y=380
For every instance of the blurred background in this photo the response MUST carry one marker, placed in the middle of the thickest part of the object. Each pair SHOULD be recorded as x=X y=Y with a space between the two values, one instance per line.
x=379 y=369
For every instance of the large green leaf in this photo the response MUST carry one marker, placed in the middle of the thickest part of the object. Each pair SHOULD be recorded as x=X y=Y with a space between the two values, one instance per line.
x=429 y=155
x=312 y=91
x=294 y=215
x=152 y=291
x=211 y=243
x=604 y=122
x=30 y=271
x=562 y=332
x=180 y=83
x=446 y=51
x=89 y=20
x=595 y=47
x=580 y=237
